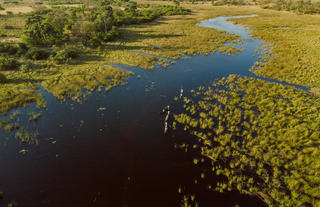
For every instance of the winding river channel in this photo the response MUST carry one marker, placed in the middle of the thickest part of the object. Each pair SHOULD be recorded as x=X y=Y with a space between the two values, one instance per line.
x=110 y=149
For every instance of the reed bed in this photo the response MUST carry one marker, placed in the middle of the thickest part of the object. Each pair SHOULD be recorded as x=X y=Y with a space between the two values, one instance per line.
x=262 y=137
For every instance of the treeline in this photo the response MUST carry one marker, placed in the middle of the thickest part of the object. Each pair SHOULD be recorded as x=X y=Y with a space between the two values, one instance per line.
x=55 y=34
x=229 y=2
x=300 y=6
x=90 y=26
x=60 y=2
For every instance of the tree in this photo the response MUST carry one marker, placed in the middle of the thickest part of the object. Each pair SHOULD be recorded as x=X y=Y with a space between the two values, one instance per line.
x=39 y=31
x=131 y=6
x=83 y=31
x=104 y=19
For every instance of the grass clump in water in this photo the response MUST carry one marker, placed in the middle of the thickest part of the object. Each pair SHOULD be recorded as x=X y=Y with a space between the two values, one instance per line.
x=15 y=96
x=27 y=137
x=229 y=50
x=262 y=137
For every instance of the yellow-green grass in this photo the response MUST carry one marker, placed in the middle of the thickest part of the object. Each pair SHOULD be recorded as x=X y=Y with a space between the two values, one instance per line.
x=63 y=81
x=315 y=91
x=167 y=37
x=15 y=29
x=17 y=9
x=294 y=51
x=70 y=81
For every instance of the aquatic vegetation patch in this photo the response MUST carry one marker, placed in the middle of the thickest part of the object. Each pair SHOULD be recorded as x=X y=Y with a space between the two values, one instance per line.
x=26 y=136
x=11 y=125
x=13 y=96
x=72 y=83
x=229 y=50
x=34 y=116
x=262 y=137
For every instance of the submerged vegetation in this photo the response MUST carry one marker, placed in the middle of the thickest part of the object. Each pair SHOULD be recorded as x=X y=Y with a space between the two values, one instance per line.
x=262 y=137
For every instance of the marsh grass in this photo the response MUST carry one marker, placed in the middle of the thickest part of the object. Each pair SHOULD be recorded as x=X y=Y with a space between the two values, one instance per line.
x=315 y=91
x=262 y=137
x=15 y=22
x=293 y=54
x=26 y=136
x=11 y=125
x=14 y=96
x=71 y=81
x=168 y=37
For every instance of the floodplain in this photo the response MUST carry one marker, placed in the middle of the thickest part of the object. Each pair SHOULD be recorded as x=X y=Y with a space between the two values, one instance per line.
x=80 y=120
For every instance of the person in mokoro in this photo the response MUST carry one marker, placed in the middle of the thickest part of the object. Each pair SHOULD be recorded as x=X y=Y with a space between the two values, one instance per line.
x=165 y=127
x=165 y=109
x=167 y=116
x=181 y=92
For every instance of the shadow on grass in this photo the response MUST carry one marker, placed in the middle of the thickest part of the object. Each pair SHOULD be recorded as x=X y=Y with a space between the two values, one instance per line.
x=85 y=58
x=129 y=36
x=24 y=80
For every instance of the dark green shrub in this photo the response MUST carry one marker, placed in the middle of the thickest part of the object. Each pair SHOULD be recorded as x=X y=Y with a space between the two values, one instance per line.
x=3 y=79
x=28 y=66
x=167 y=10
x=35 y=53
x=94 y=42
x=7 y=63
x=12 y=49
x=65 y=55
x=22 y=49
x=8 y=48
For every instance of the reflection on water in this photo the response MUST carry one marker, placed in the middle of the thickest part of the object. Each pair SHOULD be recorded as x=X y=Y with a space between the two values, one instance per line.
x=110 y=149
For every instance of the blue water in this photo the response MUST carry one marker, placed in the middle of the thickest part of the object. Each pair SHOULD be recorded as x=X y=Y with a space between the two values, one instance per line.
x=119 y=156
